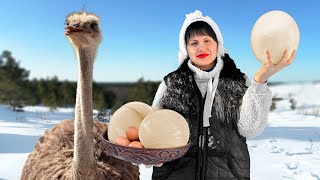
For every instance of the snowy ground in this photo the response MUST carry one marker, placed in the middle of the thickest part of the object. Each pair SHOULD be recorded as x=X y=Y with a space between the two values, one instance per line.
x=289 y=148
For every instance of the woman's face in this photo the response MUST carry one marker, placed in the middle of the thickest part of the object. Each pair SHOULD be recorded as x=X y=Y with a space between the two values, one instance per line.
x=202 y=51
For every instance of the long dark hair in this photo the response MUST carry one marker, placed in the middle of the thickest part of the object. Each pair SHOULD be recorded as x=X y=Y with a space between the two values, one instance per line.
x=230 y=70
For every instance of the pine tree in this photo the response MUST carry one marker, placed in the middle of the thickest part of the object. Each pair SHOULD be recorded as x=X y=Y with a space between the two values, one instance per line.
x=52 y=95
x=143 y=91
x=12 y=79
x=68 y=92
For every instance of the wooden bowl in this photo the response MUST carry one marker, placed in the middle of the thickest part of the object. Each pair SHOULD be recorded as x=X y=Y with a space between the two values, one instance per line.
x=147 y=156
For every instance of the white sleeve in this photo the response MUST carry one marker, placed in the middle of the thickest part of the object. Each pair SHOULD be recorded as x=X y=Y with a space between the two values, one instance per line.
x=254 y=109
x=159 y=94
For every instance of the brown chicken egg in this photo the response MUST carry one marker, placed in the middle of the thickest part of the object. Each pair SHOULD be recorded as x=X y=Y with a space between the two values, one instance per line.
x=136 y=144
x=132 y=133
x=121 y=120
x=122 y=141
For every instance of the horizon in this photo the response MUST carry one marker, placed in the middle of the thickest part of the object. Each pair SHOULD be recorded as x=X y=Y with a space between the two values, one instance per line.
x=140 y=39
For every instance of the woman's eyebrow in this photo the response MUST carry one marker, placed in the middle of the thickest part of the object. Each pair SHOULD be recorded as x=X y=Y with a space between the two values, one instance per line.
x=193 y=40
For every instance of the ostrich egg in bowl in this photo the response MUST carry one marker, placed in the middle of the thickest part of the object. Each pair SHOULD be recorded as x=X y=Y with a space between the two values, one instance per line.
x=164 y=129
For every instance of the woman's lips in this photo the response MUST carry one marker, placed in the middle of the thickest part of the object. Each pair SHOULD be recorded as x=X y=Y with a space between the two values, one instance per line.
x=202 y=55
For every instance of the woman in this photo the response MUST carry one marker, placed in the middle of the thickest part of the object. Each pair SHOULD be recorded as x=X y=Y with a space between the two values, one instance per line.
x=218 y=102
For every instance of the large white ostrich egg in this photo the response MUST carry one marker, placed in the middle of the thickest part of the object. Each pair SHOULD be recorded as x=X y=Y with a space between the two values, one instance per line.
x=164 y=129
x=121 y=120
x=275 y=31
x=143 y=108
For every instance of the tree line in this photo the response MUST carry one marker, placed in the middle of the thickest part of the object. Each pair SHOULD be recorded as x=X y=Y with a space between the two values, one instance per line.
x=17 y=90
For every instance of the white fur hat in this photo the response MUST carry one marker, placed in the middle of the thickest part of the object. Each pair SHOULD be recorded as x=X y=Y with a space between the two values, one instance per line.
x=193 y=17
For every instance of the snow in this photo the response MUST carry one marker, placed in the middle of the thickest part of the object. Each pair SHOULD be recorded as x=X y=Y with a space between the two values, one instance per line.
x=289 y=147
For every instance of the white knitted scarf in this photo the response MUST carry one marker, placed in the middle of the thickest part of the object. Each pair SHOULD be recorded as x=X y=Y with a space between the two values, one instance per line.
x=211 y=88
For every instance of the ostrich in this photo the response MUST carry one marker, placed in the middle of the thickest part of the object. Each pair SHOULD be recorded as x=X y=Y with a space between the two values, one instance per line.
x=71 y=149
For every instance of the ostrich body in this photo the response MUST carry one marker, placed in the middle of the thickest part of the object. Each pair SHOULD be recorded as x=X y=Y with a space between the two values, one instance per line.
x=71 y=149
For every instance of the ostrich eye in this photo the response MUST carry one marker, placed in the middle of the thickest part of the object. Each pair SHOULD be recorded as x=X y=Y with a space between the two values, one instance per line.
x=93 y=25
x=67 y=23
x=76 y=25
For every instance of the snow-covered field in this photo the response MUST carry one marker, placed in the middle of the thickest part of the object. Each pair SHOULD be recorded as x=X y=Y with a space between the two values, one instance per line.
x=289 y=148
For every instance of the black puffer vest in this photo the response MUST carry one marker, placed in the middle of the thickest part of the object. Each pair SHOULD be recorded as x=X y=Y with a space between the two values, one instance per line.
x=217 y=152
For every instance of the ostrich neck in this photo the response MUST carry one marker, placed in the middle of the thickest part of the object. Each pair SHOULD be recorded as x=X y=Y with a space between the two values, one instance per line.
x=83 y=137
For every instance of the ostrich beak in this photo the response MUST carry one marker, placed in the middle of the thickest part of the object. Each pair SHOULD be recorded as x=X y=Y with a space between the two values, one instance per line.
x=71 y=29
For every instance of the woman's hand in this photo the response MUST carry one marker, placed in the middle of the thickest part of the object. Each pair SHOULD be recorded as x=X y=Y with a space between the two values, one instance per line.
x=268 y=69
x=156 y=165
x=149 y=166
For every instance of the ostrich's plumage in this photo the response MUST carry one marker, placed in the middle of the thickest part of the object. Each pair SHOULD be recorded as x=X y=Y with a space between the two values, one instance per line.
x=53 y=154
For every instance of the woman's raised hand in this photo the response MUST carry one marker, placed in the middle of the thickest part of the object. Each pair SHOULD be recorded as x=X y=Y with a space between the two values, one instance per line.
x=268 y=69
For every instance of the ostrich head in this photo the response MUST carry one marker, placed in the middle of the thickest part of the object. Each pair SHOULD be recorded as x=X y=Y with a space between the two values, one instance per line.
x=82 y=30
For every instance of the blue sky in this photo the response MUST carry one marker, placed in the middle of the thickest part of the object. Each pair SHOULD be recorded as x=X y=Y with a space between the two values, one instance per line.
x=140 y=38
